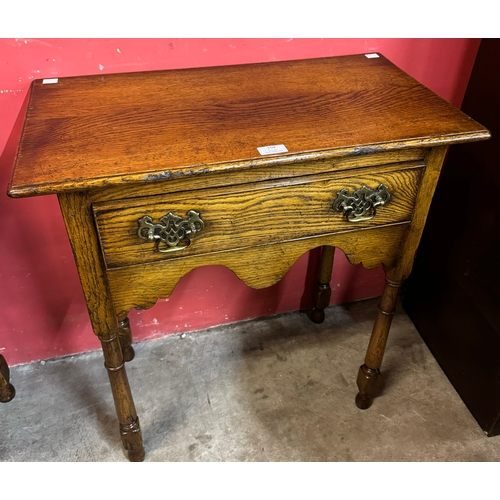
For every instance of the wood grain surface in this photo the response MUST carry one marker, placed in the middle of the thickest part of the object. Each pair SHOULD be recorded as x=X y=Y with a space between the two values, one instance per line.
x=93 y=131
x=141 y=286
x=252 y=215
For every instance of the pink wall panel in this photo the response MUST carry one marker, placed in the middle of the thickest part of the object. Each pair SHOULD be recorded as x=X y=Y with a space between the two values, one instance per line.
x=43 y=311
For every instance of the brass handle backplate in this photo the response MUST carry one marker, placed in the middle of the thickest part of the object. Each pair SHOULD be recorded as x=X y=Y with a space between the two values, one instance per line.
x=172 y=233
x=361 y=205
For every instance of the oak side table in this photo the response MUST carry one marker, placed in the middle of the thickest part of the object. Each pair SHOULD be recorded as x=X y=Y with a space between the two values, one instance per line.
x=246 y=166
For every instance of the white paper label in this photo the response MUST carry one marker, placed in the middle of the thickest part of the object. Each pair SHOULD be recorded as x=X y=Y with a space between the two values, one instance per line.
x=371 y=56
x=50 y=80
x=270 y=150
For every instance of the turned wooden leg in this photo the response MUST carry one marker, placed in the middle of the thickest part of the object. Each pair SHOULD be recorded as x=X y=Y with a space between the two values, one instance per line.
x=369 y=373
x=130 y=431
x=125 y=337
x=7 y=391
x=78 y=217
x=322 y=291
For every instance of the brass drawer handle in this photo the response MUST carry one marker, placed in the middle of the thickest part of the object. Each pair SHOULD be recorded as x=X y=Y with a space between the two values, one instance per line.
x=362 y=204
x=171 y=233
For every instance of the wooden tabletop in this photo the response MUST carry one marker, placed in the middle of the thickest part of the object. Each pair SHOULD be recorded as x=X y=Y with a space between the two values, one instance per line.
x=132 y=127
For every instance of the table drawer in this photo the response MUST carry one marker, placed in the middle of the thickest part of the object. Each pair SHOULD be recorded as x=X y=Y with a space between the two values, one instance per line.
x=192 y=223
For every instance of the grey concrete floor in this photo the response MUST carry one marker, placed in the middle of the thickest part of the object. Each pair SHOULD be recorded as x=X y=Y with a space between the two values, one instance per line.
x=278 y=389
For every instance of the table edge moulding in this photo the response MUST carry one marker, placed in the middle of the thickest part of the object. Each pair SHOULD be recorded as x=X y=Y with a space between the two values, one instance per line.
x=247 y=166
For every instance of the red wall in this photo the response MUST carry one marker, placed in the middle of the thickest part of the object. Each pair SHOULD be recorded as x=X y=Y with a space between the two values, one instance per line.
x=43 y=313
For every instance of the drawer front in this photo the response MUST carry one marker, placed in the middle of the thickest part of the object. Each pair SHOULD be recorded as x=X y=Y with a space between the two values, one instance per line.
x=184 y=224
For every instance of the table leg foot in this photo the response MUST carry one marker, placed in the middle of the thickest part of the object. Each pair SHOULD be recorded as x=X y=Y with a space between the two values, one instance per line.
x=125 y=336
x=7 y=394
x=128 y=354
x=132 y=440
x=363 y=402
x=317 y=315
x=136 y=456
x=369 y=386
x=7 y=391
